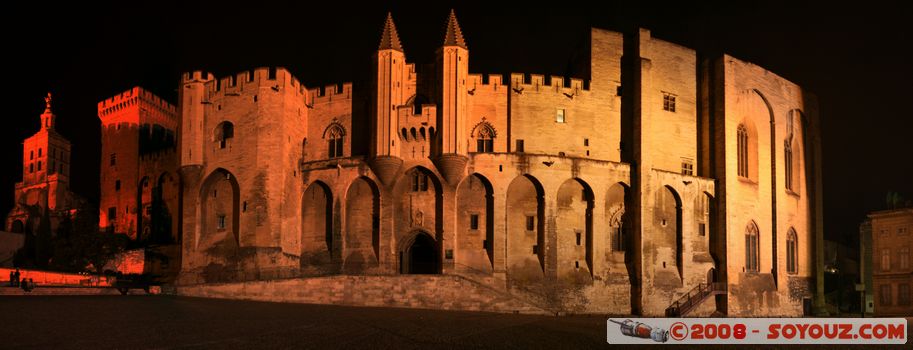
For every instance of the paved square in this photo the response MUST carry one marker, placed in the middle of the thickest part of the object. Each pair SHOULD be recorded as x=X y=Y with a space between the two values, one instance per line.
x=56 y=322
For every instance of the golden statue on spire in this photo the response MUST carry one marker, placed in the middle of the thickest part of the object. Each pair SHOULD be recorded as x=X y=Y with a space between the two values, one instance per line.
x=47 y=102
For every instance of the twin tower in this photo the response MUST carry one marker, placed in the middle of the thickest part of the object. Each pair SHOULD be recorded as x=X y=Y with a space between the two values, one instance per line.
x=397 y=94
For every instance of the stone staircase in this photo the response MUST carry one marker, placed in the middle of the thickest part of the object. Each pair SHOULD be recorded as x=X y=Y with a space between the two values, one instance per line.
x=695 y=297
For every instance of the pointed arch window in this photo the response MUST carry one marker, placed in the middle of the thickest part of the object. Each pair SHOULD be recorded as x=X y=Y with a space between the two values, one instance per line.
x=335 y=136
x=419 y=181
x=788 y=160
x=485 y=136
x=751 y=247
x=792 y=252
x=485 y=141
x=742 y=142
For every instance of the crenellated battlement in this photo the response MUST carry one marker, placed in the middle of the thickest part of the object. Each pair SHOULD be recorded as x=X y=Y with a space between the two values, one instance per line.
x=330 y=93
x=539 y=82
x=134 y=96
x=489 y=81
x=196 y=76
x=276 y=78
x=159 y=154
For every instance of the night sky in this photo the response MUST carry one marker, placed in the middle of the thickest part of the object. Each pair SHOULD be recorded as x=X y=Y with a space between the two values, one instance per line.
x=855 y=58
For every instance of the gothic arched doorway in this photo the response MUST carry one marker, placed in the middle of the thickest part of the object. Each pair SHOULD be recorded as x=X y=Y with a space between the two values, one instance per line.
x=421 y=257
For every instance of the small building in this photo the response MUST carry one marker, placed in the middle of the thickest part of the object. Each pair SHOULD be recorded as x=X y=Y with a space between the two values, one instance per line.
x=892 y=275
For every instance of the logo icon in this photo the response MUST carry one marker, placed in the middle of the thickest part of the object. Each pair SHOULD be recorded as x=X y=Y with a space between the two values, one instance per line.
x=641 y=330
x=678 y=331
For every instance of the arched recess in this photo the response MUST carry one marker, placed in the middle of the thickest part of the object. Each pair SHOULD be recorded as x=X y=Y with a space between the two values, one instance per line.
x=668 y=238
x=792 y=252
x=165 y=211
x=617 y=201
x=621 y=239
x=525 y=228
x=752 y=247
x=419 y=205
x=575 y=230
x=317 y=226
x=144 y=220
x=362 y=237
x=773 y=181
x=220 y=198
x=475 y=223
x=419 y=253
x=794 y=147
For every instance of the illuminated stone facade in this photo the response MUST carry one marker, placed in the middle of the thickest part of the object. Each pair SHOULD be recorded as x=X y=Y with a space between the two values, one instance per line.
x=45 y=185
x=616 y=193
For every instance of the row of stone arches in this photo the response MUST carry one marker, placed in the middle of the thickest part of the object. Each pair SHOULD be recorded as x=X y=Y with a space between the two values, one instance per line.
x=413 y=134
x=355 y=246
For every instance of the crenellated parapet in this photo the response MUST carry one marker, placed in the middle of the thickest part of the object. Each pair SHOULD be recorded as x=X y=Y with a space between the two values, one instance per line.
x=248 y=82
x=329 y=93
x=539 y=83
x=478 y=83
x=158 y=155
x=196 y=77
x=135 y=106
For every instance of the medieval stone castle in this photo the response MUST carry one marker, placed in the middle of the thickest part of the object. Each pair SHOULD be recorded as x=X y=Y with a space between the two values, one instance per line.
x=658 y=183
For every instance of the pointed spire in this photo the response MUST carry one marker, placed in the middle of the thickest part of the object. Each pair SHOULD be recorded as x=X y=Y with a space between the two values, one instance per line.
x=390 y=39
x=454 y=36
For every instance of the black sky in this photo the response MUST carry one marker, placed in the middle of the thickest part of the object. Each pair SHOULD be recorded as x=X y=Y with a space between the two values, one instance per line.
x=856 y=58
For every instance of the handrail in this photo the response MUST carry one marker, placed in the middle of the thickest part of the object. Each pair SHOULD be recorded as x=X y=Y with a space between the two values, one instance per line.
x=694 y=297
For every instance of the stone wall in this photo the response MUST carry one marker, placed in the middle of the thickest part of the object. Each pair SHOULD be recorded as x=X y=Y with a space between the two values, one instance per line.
x=423 y=292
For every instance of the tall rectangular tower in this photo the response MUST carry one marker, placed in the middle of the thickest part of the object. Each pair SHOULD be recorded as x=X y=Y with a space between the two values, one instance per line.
x=139 y=164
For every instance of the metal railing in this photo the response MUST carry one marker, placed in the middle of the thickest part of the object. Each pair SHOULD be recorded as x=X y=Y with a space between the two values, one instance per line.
x=695 y=297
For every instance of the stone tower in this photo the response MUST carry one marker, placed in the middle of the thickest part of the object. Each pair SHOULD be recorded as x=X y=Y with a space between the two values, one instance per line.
x=453 y=67
x=45 y=175
x=389 y=85
x=139 y=180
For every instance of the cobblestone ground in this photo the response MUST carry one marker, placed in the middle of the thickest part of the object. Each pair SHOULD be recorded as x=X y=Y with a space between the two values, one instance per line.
x=56 y=322
x=141 y=322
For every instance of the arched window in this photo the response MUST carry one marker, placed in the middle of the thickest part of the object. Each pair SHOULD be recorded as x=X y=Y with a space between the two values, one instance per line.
x=788 y=160
x=419 y=181
x=751 y=247
x=743 y=150
x=224 y=132
x=792 y=252
x=334 y=136
x=485 y=136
